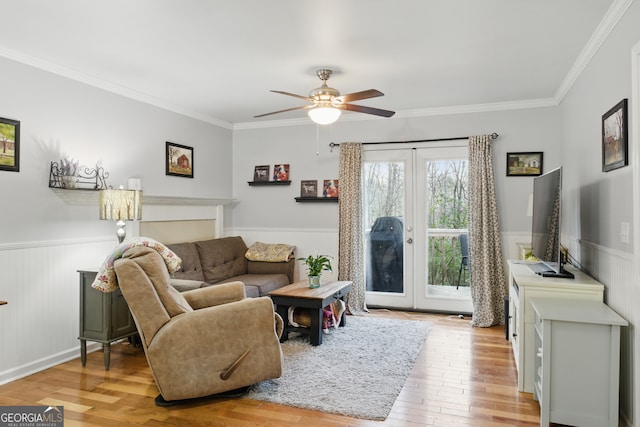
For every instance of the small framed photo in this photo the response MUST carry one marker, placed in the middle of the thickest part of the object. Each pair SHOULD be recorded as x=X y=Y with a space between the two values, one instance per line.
x=524 y=164
x=9 y=145
x=615 y=137
x=261 y=173
x=309 y=188
x=179 y=160
x=330 y=188
x=281 y=172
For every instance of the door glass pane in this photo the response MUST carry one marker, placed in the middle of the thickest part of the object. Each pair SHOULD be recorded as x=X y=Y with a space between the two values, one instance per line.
x=447 y=213
x=383 y=214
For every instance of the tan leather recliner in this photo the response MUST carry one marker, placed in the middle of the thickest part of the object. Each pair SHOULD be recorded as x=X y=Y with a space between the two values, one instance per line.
x=200 y=342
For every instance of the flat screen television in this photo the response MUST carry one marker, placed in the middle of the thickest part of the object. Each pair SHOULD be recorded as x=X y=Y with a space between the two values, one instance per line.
x=545 y=225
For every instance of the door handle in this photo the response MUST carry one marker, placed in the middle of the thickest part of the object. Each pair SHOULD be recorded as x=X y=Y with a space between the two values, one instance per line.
x=409 y=240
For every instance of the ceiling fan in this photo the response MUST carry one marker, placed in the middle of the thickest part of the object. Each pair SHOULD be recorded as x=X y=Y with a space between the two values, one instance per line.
x=325 y=103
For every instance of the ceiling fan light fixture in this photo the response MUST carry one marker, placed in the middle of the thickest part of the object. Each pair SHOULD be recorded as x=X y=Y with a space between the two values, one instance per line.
x=325 y=104
x=324 y=115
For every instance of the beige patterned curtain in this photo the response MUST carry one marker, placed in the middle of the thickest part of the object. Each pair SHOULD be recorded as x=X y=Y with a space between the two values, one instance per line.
x=350 y=251
x=488 y=288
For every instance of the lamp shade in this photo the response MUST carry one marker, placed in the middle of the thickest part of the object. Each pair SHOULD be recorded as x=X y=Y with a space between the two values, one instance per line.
x=125 y=205
x=324 y=115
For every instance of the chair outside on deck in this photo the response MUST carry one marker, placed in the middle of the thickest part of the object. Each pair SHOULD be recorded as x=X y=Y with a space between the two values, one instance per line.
x=464 y=251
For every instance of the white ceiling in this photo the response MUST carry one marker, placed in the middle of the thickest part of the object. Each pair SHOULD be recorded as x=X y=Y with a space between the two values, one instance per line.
x=217 y=60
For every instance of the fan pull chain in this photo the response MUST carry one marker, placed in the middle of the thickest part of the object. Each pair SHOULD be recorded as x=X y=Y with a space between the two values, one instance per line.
x=317 y=140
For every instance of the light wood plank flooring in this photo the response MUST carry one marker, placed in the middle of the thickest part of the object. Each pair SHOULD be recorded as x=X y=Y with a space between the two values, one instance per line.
x=463 y=376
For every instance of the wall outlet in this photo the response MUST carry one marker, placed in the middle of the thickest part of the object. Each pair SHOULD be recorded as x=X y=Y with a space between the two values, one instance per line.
x=624 y=232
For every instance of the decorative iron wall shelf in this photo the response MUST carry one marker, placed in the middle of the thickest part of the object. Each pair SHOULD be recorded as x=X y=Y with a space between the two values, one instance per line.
x=85 y=179
x=256 y=183
x=317 y=199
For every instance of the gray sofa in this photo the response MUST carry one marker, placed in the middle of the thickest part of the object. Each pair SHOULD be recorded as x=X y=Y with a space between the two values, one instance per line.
x=216 y=261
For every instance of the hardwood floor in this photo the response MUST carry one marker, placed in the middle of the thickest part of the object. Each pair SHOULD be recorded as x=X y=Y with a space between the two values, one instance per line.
x=463 y=376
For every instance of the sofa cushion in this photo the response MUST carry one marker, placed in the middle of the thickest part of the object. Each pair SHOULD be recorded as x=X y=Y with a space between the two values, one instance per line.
x=222 y=259
x=191 y=268
x=264 y=283
x=269 y=252
x=251 y=291
x=259 y=267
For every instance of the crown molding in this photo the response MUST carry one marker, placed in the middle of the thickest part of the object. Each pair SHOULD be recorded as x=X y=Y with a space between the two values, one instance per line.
x=609 y=21
x=108 y=86
x=423 y=112
x=478 y=108
x=615 y=12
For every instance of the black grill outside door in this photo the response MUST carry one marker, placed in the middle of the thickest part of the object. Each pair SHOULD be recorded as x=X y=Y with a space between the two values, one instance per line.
x=385 y=256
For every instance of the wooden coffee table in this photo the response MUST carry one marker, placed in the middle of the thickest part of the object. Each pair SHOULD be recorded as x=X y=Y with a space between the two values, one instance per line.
x=299 y=294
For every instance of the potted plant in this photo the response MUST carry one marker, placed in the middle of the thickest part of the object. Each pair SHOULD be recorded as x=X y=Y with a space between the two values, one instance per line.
x=69 y=172
x=315 y=266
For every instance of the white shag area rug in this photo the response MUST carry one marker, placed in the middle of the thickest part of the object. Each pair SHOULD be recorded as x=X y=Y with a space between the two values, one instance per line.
x=357 y=371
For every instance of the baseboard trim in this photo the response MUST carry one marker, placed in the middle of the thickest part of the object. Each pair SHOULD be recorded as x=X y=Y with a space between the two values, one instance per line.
x=45 y=363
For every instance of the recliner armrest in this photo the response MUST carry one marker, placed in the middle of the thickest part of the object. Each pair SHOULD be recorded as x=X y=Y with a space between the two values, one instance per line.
x=215 y=295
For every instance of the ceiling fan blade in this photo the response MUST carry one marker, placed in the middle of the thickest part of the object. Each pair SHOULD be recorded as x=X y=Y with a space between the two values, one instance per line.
x=368 y=110
x=283 y=111
x=365 y=94
x=306 y=98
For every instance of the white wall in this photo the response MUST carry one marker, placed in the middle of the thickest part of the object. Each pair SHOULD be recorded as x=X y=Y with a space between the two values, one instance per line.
x=271 y=211
x=597 y=202
x=128 y=138
x=43 y=240
x=594 y=203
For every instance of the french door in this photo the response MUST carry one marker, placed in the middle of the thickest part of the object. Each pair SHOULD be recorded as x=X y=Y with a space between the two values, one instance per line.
x=414 y=212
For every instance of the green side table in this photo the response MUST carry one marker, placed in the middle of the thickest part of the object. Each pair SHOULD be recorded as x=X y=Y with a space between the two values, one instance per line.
x=104 y=317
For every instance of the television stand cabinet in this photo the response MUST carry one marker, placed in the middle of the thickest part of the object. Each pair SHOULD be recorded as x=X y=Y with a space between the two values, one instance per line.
x=524 y=284
x=577 y=362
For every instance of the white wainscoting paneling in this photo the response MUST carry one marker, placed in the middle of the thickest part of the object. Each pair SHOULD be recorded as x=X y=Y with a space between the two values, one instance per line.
x=39 y=326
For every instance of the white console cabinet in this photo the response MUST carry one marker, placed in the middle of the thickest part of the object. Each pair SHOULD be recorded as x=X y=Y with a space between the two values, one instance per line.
x=524 y=285
x=577 y=362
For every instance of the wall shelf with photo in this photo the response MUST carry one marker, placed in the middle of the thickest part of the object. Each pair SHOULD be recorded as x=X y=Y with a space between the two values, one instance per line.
x=309 y=191
x=258 y=183
x=317 y=199
x=280 y=175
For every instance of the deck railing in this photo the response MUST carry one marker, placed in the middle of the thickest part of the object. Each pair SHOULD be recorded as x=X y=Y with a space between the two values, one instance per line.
x=444 y=257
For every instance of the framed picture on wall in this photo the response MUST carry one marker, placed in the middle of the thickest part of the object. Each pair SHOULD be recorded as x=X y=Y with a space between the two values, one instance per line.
x=614 y=137
x=524 y=164
x=281 y=172
x=9 y=145
x=179 y=160
x=261 y=173
x=330 y=188
x=309 y=188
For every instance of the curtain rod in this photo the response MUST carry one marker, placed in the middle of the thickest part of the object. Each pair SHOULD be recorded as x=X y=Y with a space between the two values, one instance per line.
x=493 y=136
